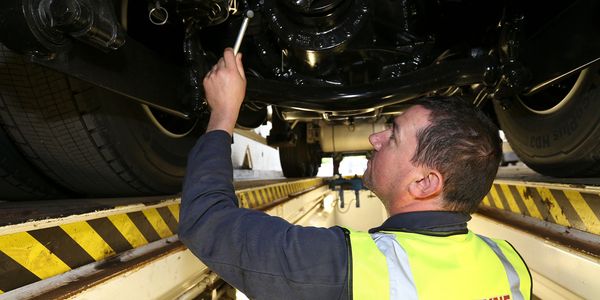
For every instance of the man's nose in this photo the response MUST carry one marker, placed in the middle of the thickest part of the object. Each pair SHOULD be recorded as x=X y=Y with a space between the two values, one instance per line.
x=375 y=140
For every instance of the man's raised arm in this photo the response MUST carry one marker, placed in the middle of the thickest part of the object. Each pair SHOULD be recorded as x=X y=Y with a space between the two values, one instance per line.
x=266 y=257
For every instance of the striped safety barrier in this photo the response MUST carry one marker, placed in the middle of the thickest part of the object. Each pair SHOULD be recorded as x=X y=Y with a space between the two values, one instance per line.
x=257 y=198
x=45 y=248
x=565 y=205
x=36 y=254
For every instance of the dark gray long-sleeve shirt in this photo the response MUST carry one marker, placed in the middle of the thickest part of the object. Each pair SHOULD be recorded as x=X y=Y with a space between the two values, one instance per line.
x=264 y=256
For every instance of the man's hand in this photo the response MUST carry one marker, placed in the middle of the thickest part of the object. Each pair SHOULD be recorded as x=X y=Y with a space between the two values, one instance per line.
x=225 y=87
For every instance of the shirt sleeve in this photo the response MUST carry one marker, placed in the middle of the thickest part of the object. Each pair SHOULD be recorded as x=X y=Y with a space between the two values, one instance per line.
x=264 y=256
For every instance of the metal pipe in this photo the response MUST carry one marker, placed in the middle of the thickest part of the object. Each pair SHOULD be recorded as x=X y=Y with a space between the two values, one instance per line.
x=208 y=279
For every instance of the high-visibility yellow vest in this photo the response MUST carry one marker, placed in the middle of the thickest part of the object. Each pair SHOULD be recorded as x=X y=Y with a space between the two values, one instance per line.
x=403 y=265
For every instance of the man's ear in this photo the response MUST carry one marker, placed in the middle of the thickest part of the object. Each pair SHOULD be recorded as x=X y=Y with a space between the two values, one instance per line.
x=428 y=185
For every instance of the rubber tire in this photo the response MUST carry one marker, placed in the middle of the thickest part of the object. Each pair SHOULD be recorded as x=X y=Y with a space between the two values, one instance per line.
x=19 y=180
x=301 y=160
x=565 y=143
x=89 y=140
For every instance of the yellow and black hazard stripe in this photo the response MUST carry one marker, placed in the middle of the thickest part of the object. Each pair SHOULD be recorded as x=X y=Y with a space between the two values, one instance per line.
x=30 y=256
x=559 y=204
x=263 y=196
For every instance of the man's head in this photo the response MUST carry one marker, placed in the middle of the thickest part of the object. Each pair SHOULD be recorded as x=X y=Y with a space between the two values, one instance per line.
x=441 y=154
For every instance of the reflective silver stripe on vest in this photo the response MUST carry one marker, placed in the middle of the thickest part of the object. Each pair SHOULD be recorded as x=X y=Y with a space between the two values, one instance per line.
x=402 y=284
x=513 y=277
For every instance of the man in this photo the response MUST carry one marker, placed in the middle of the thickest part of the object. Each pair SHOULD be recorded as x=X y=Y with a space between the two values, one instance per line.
x=430 y=170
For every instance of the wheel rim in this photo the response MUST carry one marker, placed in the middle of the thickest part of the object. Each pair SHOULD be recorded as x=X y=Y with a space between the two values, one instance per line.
x=557 y=96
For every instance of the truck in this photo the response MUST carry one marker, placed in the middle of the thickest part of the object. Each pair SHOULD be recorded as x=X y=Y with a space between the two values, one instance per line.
x=104 y=97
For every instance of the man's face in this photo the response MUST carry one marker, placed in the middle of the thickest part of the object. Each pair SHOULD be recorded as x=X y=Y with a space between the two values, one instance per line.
x=390 y=170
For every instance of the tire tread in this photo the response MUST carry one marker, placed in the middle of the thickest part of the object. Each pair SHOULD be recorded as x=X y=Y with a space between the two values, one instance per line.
x=53 y=124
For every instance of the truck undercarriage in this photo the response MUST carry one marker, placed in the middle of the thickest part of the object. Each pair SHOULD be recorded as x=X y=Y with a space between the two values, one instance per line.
x=71 y=68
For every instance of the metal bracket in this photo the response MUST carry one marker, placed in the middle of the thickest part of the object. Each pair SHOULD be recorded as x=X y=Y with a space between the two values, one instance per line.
x=340 y=184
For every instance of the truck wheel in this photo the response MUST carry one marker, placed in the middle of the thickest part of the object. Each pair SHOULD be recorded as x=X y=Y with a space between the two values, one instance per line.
x=19 y=180
x=294 y=166
x=89 y=140
x=301 y=160
x=557 y=131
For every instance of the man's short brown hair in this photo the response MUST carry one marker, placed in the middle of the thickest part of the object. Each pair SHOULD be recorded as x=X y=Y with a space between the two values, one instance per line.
x=464 y=146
